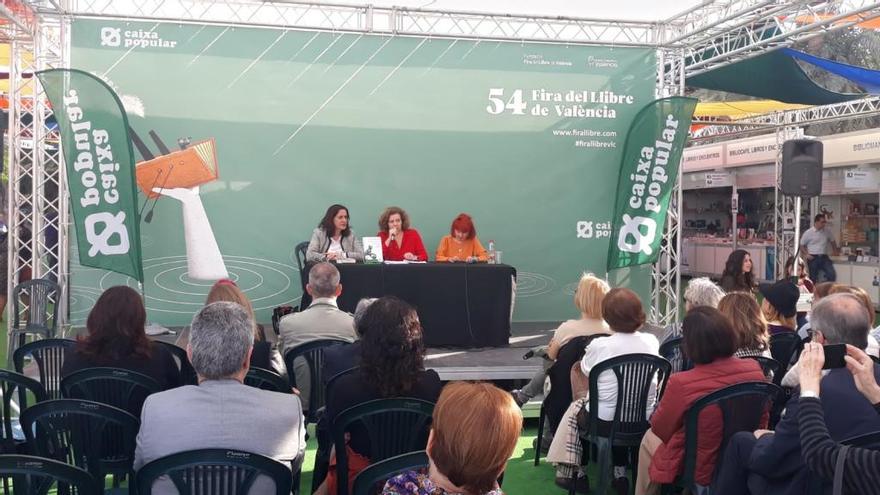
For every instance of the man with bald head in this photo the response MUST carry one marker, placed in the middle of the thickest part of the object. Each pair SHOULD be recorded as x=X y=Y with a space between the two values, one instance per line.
x=321 y=320
x=770 y=462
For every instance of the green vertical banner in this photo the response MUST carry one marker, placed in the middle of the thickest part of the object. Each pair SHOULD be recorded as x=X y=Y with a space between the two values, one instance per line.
x=651 y=157
x=100 y=170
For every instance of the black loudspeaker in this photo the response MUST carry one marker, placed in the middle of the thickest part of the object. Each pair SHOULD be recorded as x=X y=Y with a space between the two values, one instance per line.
x=802 y=168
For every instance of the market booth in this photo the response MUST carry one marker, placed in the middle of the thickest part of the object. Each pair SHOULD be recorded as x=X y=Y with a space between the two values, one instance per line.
x=736 y=179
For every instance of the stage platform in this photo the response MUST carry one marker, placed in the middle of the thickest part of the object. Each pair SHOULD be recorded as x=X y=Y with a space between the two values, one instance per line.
x=494 y=363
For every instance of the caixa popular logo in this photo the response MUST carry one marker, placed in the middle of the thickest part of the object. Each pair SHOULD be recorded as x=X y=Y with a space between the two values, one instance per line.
x=133 y=38
x=586 y=229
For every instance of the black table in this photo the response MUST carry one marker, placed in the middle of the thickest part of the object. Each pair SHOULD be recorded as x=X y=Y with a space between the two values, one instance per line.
x=459 y=304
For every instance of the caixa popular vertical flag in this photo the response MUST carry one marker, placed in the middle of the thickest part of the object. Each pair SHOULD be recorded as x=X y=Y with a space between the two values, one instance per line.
x=100 y=170
x=651 y=157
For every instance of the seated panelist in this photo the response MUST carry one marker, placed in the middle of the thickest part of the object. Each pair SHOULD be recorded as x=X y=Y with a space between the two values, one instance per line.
x=461 y=244
x=333 y=239
x=399 y=242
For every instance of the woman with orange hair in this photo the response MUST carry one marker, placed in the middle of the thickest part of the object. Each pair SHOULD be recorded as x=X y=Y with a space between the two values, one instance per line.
x=461 y=244
x=473 y=433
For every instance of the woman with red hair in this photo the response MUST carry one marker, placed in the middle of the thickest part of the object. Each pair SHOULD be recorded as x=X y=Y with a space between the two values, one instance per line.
x=461 y=244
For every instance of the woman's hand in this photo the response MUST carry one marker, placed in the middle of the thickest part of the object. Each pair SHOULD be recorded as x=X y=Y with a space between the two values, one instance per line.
x=410 y=257
x=862 y=368
x=331 y=255
x=810 y=367
x=454 y=259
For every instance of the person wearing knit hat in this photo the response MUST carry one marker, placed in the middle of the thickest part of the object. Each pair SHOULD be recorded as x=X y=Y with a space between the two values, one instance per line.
x=780 y=306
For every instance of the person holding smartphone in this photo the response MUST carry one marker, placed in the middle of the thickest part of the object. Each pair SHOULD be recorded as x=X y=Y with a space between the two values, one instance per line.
x=771 y=462
x=861 y=467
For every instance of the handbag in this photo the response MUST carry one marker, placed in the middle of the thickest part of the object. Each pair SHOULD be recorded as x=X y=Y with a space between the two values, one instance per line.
x=838 y=470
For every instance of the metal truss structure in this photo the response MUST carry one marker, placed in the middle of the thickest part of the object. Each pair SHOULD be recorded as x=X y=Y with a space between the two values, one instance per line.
x=721 y=33
x=36 y=196
x=708 y=36
x=666 y=284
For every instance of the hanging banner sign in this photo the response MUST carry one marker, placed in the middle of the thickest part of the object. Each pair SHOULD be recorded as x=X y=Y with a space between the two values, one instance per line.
x=100 y=170
x=651 y=158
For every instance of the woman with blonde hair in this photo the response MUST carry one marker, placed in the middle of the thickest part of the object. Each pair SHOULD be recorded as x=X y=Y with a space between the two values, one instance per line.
x=588 y=299
x=748 y=322
x=780 y=306
x=474 y=430
x=264 y=355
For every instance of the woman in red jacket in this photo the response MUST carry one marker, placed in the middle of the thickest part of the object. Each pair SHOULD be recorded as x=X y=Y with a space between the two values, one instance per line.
x=709 y=341
x=399 y=242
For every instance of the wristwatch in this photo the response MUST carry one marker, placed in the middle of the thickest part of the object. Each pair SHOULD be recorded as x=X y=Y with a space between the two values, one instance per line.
x=809 y=393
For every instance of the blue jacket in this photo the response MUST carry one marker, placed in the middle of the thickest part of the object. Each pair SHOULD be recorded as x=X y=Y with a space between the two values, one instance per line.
x=777 y=457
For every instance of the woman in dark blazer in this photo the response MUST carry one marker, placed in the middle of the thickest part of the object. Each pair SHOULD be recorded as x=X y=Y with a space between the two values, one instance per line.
x=116 y=339
x=392 y=360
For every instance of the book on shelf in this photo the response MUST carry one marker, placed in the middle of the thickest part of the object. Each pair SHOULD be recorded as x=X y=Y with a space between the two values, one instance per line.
x=190 y=167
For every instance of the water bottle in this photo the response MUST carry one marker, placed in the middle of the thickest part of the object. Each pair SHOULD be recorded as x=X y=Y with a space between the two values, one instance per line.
x=491 y=251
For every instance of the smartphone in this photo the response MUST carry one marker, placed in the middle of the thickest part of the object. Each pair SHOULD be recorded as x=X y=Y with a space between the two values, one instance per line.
x=834 y=354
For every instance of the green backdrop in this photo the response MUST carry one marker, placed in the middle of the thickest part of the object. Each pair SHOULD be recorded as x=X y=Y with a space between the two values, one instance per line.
x=526 y=137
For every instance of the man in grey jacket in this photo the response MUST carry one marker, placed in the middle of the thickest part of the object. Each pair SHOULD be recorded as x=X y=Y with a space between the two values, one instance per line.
x=221 y=412
x=322 y=320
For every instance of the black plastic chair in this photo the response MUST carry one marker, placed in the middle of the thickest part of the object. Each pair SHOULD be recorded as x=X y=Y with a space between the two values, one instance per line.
x=267 y=380
x=559 y=397
x=313 y=353
x=636 y=375
x=394 y=426
x=90 y=435
x=48 y=355
x=784 y=348
x=115 y=387
x=15 y=386
x=365 y=483
x=742 y=407
x=300 y=253
x=672 y=351
x=215 y=472
x=31 y=475
x=187 y=373
x=42 y=297
x=772 y=368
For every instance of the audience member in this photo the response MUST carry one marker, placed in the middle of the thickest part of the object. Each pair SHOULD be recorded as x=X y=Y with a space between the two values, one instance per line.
x=709 y=341
x=699 y=292
x=738 y=274
x=820 y=290
x=321 y=320
x=391 y=365
x=770 y=462
x=588 y=298
x=221 y=412
x=873 y=348
x=748 y=323
x=802 y=280
x=265 y=354
x=116 y=339
x=473 y=433
x=780 y=306
x=344 y=357
x=623 y=312
x=861 y=467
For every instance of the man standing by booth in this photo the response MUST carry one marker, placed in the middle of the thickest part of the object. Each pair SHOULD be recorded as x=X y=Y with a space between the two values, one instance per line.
x=814 y=247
